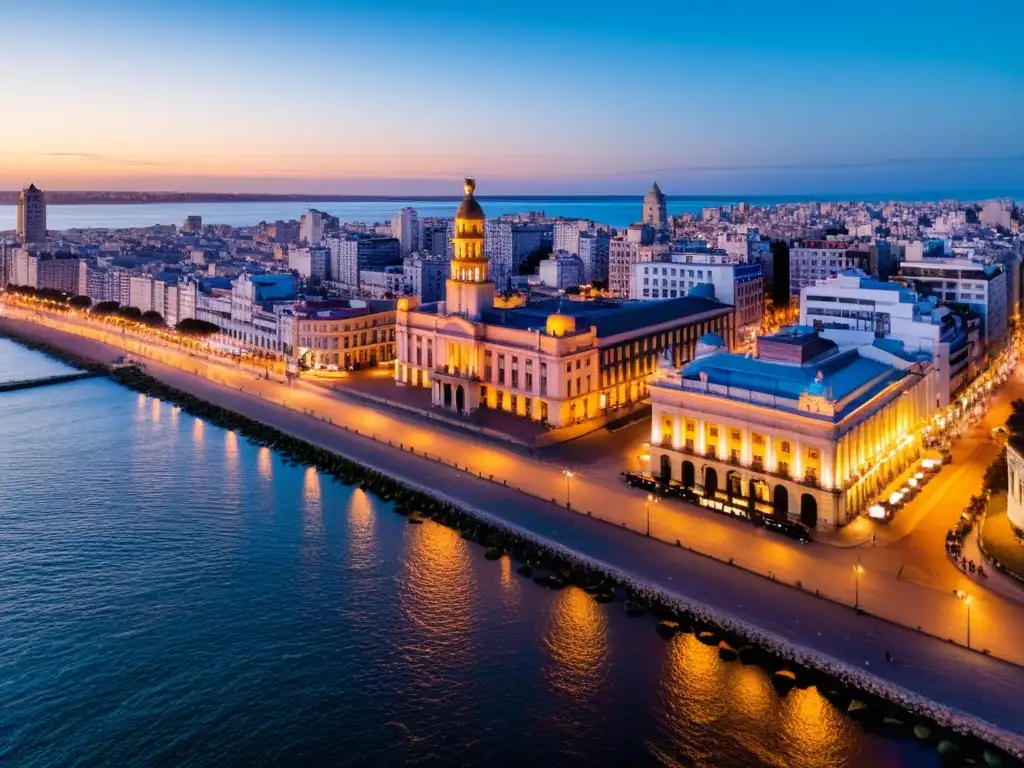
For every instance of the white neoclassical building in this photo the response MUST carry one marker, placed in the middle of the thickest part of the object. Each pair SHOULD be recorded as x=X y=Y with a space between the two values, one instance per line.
x=802 y=430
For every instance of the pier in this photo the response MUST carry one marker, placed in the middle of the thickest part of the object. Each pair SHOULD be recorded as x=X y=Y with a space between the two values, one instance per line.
x=11 y=386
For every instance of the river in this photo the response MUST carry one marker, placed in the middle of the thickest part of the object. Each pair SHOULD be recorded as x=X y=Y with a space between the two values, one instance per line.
x=173 y=595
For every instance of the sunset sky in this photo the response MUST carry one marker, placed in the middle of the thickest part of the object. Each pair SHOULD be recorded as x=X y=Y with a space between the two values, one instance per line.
x=536 y=97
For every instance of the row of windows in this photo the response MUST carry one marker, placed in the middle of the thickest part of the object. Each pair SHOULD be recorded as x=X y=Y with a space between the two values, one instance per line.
x=345 y=342
x=335 y=327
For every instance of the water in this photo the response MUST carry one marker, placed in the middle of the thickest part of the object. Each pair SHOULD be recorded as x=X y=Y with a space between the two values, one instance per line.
x=172 y=595
x=20 y=364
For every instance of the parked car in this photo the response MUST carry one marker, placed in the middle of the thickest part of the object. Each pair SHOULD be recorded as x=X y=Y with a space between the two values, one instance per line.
x=637 y=480
x=793 y=530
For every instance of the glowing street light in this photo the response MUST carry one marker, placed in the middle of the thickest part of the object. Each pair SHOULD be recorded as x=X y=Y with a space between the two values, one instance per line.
x=857 y=571
x=651 y=499
x=966 y=599
x=567 y=474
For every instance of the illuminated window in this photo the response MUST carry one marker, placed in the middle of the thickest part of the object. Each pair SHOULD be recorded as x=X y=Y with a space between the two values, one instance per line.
x=713 y=431
x=735 y=434
x=784 y=447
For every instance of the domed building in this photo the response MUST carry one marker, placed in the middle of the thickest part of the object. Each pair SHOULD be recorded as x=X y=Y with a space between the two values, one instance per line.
x=557 y=361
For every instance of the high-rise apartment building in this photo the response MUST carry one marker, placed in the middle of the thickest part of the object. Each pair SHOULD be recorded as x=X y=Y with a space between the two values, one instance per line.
x=405 y=227
x=31 y=223
x=311 y=227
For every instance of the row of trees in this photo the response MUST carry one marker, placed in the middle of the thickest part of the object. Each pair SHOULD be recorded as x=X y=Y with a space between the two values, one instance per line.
x=153 y=319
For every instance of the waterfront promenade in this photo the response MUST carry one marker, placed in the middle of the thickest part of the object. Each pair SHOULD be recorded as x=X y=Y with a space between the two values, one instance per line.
x=961 y=680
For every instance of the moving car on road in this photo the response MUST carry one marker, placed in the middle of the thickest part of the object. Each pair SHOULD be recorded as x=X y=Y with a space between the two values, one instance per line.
x=793 y=530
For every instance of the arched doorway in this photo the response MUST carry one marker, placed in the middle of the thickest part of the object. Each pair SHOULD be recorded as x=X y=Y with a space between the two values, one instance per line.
x=780 y=501
x=666 y=469
x=734 y=484
x=808 y=510
x=710 y=483
x=759 y=493
x=688 y=474
x=447 y=395
x=460 y=399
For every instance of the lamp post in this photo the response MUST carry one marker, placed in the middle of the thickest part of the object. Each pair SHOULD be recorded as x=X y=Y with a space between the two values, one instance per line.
x=567 y=474
x=651 y=499
x=966 y=599
x=857 y=571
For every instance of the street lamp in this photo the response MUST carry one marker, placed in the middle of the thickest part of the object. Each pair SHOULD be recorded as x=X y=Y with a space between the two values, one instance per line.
x=857 y=571
x=567 y=474
x=966 y=599
x=651 y=499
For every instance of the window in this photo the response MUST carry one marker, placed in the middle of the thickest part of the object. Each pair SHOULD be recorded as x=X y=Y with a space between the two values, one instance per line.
x=501 y=369
x=713 y=431
x=568 y=367
x=784 y=447
x=735 y=435
x=544 y=379
x=488 y=364
x=568 y=388
x=529 y=376
x=812 y=453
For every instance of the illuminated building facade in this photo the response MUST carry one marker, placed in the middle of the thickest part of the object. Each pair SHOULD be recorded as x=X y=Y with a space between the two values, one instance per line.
x=803 y=430
x=556 y=361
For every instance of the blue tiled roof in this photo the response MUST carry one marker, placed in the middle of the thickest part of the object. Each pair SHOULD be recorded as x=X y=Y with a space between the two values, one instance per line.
x=610 y=317
x=842 y=374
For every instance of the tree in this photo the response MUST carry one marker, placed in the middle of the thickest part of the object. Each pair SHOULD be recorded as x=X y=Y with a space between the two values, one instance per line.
x=600 y=285
x=106 y=308
x=80 y=302
x=153 y=319
x=192 y=327
x=530 y=264
x=130 y=313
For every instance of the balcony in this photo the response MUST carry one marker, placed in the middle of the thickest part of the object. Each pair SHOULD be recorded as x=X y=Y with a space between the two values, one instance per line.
x=454 y=372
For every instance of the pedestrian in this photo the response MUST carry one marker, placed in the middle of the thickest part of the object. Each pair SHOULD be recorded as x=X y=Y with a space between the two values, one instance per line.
x=888 y=658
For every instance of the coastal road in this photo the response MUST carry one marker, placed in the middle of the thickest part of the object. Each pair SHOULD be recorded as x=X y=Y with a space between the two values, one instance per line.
x=960 y=680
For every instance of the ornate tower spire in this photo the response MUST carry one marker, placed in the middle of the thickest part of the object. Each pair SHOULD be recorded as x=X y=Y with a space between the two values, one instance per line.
x=469 y=288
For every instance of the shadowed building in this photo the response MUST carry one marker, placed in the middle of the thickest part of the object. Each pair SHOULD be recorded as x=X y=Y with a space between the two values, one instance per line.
x=31 y=224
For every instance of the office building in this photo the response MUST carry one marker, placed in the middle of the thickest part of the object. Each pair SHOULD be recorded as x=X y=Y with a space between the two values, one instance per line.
x=311 y=227
x=405 y=227
x=811 y=261
x=352 y=253
x=192 y=224
x=594 y=248
x=561 y=270
x=31 y=215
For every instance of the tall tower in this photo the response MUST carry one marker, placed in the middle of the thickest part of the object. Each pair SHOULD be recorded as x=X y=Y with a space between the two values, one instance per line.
x=469 y=290
x=655 y=210
x=31 y=224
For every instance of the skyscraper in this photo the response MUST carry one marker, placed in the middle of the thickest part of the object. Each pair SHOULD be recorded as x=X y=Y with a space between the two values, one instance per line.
x=655 y=211
x=31 y=225
x=405 y=227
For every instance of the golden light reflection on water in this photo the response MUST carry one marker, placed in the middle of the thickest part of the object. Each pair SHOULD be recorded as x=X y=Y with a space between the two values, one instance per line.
x=197 y=431
x=156 y=411
x=703 y=695
x=264 y=463
x=361 y=535
x=439 y=587
x=813 y=733
x=231 y=452
x=140 y=401
x=577 y=639
x=312 y=503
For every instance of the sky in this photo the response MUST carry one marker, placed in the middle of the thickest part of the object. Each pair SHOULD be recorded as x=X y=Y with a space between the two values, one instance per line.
x=531 y=97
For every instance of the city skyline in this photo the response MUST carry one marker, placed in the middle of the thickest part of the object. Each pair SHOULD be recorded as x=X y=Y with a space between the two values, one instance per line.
x=351 y=99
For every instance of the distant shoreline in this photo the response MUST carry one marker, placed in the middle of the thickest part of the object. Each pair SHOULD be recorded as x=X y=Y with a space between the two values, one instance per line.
x=96 y=197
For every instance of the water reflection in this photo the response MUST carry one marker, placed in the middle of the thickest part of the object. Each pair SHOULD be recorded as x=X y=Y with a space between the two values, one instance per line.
x=511 y=589
x=140 y=401
x=812 y=732
x=691 y=696
x=312 y=503
x=577 y=639
x=264 y=463
x=439 y=588
x=361 y=545
x=197 y=431
x=231 y=454
x=156 y=410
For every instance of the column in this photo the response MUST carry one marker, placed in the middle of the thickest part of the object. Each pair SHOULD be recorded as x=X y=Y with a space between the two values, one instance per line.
x=746 y=452
x=677 y=430
x=769 y=452
x=702 y=442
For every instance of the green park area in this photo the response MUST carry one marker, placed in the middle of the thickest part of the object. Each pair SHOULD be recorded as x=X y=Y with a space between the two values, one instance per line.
x=1000 y=539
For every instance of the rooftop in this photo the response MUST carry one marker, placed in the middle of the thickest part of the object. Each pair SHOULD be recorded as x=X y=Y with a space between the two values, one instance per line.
x=611 y=317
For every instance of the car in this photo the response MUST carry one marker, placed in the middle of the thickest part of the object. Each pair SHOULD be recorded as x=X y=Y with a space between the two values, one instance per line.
x=793 y=530
x=332 y=368
x=637 y=480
